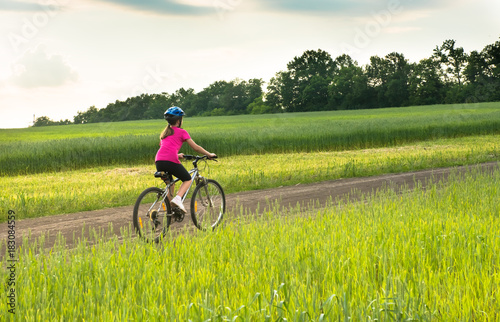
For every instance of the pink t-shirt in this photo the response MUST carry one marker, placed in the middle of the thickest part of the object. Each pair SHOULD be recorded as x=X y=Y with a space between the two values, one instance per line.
x=170 y=146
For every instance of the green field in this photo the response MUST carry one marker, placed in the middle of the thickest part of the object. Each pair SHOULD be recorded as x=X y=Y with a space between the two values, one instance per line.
x=104 y=187
x=72 y=147
x=421 y=255
x=65 y=169
x=428 y=254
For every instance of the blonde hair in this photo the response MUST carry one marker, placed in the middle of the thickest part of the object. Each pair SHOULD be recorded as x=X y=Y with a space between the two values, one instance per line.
x=172 y=120
x=166 y=132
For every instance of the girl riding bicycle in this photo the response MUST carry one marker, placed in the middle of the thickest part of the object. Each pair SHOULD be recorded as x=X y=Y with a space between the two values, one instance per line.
x=167 y=157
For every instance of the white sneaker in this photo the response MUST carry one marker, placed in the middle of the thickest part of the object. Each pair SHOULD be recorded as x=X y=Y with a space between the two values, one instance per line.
x=177 y=201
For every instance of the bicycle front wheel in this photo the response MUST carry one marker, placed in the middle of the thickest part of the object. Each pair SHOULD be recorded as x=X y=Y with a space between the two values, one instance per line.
x=151 y=215
x=208 y=205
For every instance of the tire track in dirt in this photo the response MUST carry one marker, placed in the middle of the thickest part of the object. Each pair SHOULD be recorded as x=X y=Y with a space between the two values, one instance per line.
x=71 y=226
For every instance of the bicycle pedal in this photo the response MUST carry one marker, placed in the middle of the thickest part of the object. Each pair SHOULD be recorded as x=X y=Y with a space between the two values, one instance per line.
x=177 y=214
x=177 y=210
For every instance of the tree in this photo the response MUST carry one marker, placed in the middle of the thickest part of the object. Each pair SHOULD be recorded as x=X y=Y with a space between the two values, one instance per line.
x=315 y=94
x=111 y=113
x=158 y=104
x=64 y=122
x=349 y=86
x=88 y=116
x=238 y=94
x=280 y=91
x=43 y=121
x=426 y=86
x=476 y=68
x=483 y=74
x=258 y=106
x=214 y=93
x=453 y=59
x=388 y=77
x=397 y=87
x=209 y=98
x=453 y=62
x=136 y=108
x=491 y=54
x=307 y=77
x=311 y=74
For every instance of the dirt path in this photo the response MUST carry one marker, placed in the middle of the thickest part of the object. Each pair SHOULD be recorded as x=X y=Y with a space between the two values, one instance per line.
x=71 y=225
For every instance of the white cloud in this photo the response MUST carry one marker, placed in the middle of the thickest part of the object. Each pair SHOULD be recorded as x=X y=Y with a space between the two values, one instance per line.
x=169 y=7
x=37 y=68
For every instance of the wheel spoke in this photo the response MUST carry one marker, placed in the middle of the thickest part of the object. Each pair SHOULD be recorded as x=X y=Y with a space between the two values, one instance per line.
x=150 y=219
x=207 y=205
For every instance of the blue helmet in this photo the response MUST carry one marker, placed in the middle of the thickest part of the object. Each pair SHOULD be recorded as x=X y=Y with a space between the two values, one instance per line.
x=174 y=111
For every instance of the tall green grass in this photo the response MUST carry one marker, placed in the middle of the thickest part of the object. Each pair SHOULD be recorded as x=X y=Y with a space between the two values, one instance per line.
x=425 y=255
x=434 y=114
x=73 y=191
x=82 y=146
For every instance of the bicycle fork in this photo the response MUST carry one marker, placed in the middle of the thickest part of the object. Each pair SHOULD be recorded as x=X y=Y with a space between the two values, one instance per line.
x=210 y=203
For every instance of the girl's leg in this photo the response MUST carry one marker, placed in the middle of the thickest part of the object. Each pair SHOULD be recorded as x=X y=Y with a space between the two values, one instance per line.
x=184 y=187
x=171 y=191
x=180 y=172
x=177 y=201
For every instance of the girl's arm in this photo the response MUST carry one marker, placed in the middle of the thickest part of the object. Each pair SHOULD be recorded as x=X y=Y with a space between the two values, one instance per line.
x=199 y=149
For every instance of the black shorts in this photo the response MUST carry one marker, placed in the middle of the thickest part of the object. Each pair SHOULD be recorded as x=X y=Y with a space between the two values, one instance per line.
x=175 y=169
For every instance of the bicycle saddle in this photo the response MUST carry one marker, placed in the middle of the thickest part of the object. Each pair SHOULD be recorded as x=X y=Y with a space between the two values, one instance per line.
x=161 y=174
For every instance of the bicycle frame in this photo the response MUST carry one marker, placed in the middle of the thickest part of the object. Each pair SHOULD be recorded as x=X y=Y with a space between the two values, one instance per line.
x=195 y=177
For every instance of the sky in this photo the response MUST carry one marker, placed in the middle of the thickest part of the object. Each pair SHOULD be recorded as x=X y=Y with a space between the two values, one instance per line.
x=59 y=57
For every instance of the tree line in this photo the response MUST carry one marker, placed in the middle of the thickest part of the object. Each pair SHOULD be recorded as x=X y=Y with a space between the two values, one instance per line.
x=315 y=81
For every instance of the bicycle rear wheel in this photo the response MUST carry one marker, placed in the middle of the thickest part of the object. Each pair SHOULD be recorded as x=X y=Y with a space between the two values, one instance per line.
x=208 y=205
x=150 y=215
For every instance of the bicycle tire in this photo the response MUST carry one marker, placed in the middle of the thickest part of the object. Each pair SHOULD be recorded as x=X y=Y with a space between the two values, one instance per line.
x=205 y=214
x=150 y=215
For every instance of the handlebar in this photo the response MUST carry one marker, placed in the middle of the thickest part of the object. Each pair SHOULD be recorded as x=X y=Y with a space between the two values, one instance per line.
x=197 y=158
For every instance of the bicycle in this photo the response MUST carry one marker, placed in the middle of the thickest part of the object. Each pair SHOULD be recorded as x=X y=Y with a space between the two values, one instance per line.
x=153 y=213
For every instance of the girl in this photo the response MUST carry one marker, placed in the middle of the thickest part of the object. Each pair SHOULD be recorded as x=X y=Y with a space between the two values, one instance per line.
x=167 y=157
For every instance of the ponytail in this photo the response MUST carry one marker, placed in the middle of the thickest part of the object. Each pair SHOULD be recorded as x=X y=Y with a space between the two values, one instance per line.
x=166 y=132
x=172 y=120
